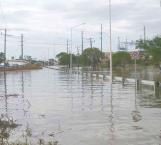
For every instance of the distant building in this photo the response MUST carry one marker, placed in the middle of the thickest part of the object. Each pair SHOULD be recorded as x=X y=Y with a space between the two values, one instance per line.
x=52 y=62
x=1 y=65
x=17 y=62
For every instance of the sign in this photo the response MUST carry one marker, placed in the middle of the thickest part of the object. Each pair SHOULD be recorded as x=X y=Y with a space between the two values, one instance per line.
x=135 y=54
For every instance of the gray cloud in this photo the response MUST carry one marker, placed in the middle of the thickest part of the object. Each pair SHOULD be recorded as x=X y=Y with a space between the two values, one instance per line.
x=52 y=19
x=18 y=16
x=58 y=6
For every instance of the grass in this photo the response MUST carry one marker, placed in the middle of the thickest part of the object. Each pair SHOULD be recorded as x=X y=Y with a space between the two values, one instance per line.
x=6 y=126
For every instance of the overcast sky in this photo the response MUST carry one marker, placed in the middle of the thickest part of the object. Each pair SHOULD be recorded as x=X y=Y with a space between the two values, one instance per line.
x=48 y=22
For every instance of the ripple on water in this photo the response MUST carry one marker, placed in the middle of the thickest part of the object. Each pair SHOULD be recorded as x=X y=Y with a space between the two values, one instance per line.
x=80 y=111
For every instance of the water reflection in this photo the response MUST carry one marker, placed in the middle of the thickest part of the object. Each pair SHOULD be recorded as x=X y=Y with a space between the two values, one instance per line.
x=111 y=116
x=56 y=103
x=136 y=114
x=150 y=97
x=5 y=93
x=7 y=123
x=71 y=89
x=158 y=92
x=15 y=104
x=92 y=94
x=22 y=84
x=83 y=93
x=102 y=96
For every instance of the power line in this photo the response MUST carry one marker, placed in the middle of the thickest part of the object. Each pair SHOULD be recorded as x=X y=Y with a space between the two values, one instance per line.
x=10 y=35
x=42 y=43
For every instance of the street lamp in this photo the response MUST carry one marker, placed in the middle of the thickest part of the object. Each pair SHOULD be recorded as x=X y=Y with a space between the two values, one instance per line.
x=71 y=32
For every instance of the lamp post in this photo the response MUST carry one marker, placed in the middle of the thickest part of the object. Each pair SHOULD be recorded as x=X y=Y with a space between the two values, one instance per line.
x=71 y=36
x=110 y=40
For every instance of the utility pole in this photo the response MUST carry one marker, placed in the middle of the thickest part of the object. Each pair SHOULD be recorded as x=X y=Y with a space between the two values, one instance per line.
x=119 y=43
x=144 y=34
x=78 y=57
x=5 y=86
x=110 y=27
x=67 y=46
x=126 y=44
x=82 y=40
x=91 y=42
x=101 y=37
x=71 y=47
x=5 y=47
x=22 y=46
x=77 y=50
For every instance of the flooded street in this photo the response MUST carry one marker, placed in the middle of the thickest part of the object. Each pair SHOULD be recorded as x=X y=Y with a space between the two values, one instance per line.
x=80 y=110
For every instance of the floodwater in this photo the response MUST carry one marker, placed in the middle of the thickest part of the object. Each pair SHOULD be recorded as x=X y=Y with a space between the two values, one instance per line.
x=80 y=110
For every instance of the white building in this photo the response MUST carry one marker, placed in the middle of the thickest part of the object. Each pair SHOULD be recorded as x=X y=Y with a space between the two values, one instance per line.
x=17 y=62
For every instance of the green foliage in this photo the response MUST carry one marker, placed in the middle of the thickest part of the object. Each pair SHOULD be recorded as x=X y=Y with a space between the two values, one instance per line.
x=2 y=56
x=91 y=57
x=63 y=58
x=121 y=58
x=153 y=48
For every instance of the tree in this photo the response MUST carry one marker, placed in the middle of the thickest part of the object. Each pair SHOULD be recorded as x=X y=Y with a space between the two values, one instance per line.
x=2 y=56
x=63 y=58
x=153 y=48
x=91 y=57
x=121 y=61
x=121 y=58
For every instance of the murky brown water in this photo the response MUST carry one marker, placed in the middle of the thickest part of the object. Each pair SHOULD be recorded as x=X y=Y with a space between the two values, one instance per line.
x=81 y=110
